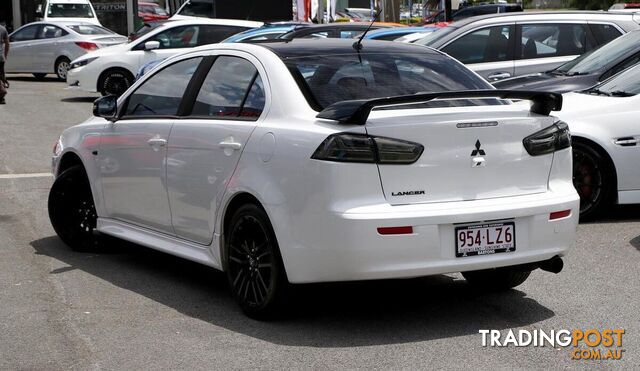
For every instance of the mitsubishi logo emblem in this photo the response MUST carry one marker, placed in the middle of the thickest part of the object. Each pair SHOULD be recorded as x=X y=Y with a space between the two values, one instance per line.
x=478 y=151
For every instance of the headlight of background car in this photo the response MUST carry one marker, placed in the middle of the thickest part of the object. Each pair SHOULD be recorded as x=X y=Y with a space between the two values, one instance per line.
x=83 y=62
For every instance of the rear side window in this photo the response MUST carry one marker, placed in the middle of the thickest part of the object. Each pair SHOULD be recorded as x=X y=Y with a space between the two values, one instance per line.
x=604 y=32
x=552 y=40
x=215 y=34
x=229 y=86
x=51 y=32
x=491 y=44
x=161 y=94
x=328 y=79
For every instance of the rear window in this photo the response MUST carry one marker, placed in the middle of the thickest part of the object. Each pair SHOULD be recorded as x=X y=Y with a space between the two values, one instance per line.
x=90 y=30
x=333 y=78
x=70 y=10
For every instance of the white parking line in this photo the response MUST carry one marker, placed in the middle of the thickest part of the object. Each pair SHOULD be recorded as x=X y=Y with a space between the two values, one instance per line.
x=32 y=175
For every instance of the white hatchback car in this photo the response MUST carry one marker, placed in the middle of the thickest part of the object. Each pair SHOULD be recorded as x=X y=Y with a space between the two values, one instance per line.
x=314 y=160
x=604 y=122
x=113 y=70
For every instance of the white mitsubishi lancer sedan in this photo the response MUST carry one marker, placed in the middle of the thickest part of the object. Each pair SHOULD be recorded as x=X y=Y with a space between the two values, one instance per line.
x=322 y=160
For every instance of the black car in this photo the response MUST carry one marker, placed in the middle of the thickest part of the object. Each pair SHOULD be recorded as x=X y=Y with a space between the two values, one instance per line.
x=331 y=31
x=584 y=71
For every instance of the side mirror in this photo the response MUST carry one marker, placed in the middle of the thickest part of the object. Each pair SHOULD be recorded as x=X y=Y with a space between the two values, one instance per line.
x=106 y=107
x=151 y=45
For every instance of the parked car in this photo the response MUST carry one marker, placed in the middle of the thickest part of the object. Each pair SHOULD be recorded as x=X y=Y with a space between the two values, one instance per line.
x=340 y=30
x=625 y=7
x=606 y=142
x=546 y=40
x=41 y=48
x=413 y=37
x=395 y=33
x=266 y=32
x=151 y=12
x=584 y=71
x=265 y=160
x=472 y=11
x=68 y=10
x=112 y=70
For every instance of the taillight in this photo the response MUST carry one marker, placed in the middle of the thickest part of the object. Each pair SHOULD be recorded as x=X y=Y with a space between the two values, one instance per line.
x=349 y=147
x=87 y=45
x=548 y=140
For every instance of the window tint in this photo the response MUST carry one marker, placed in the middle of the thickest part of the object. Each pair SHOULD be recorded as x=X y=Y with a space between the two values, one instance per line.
x=70 y=10
x=486 y=45
x=225 y=88
x=349 y=34
x=161 y=94
x=332 y=78
x=51 y=32
x=254 y=104
x=604 y=32
x=552 y=40
x=87 y=29
x=25 y=34
x=621 y=66
x=215 y=34
x=177 y=37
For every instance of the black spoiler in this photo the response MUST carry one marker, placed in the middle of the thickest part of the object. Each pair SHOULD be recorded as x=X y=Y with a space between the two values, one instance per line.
x=357 y=111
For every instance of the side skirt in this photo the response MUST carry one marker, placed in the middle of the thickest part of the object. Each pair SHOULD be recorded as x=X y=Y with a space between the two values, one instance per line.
x=629 y=197
x=158 y=241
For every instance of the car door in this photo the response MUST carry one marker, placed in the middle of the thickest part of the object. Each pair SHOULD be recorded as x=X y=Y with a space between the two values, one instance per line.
x=204 y=148
x=488 y=51
x=545 y=46
x=21 y=57
x=132 y=154
x=47 y=47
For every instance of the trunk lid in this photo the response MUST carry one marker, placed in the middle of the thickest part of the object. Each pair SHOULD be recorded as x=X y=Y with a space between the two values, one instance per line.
x=469 y=153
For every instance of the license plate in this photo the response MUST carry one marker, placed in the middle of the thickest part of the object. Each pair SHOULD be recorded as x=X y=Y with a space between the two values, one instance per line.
x=483 y=239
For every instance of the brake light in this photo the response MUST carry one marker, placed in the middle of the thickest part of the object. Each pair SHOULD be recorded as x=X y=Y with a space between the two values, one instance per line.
x=548 y=140
x=349 y=147
x=87 y=45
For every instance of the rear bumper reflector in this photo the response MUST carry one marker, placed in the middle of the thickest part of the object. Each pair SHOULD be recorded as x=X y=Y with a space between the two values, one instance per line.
x=559 y=214
x=395 y=230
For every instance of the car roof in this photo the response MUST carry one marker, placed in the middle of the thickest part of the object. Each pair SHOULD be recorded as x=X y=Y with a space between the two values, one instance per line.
x=310 y=47
x=393 y=30
x=542 y=15
x=212 y=21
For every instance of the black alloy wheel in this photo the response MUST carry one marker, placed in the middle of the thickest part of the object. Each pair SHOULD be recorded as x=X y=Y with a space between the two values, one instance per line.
x=115 y=83
x=72 y=211
x=254 y=267
x=591 y=179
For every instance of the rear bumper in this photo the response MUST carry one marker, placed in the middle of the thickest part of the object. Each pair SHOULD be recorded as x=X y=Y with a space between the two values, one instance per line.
x=346 y=246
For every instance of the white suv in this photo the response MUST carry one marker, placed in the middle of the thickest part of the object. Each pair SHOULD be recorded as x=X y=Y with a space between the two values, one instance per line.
x=68 y=11
x=314 y=161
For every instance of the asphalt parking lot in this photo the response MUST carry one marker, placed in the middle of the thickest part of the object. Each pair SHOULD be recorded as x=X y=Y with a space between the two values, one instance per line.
x=129 y=307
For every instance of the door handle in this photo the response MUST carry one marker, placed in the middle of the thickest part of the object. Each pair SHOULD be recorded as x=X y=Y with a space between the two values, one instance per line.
x=626 y=142
x=231 y=145
x=499 y=76
x=157 y=142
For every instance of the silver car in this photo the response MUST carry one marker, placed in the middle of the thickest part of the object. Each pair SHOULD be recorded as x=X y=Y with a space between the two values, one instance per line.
x=49 y=47
x=499 y=46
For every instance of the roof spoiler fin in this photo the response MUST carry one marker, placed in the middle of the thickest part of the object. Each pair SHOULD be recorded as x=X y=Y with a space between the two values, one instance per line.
x=356 y=112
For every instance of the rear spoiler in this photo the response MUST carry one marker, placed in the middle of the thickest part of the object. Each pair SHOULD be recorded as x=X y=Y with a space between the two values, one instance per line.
x=356 y=112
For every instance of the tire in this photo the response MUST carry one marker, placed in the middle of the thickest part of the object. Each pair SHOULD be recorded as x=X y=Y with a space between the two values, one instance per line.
x=496 y=279
x=62 y=67
x=72 y=211
x=254 y=268
x=593 y=178
x=39 y=76
x=114 y=82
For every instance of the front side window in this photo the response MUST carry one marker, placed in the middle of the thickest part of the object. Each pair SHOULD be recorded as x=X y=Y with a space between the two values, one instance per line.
x=70 y=11
x=491 y=44
x=215 y=34
x=227 y=88
x=624 y=84
x=25 y=34
x=552 y=40
x=333 y=78
x=161 y=94
x=175 y=38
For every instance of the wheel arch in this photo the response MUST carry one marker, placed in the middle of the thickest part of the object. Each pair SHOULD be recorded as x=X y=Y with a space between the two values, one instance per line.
x=68 y=160
x=233 y=204
x=600 y=149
